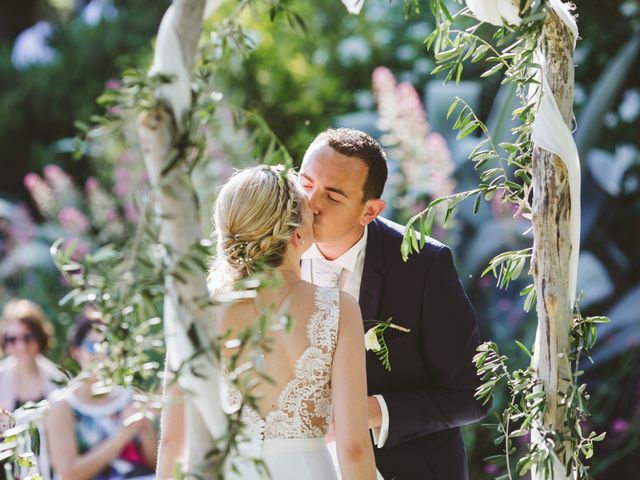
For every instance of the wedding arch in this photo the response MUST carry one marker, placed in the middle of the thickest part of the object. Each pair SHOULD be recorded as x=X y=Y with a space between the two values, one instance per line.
x=532 y=45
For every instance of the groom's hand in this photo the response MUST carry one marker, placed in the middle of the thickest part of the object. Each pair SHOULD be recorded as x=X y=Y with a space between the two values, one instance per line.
x=375 y=414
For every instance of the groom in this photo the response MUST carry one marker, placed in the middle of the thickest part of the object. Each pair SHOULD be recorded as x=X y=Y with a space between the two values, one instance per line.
x=416 y=409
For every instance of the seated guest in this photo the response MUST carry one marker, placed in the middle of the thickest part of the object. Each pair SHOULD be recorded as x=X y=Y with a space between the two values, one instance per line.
x=25 y=374
x=87 y=437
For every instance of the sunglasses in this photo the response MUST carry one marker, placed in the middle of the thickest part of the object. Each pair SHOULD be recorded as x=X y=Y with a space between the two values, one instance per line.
x=14 y=339
x=92 y=346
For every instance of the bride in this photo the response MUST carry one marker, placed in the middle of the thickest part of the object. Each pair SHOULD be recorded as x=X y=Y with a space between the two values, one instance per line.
x=316 y=370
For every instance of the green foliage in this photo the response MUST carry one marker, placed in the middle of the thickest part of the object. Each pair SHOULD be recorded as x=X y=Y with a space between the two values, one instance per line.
x=528 y=403
x=39 y=105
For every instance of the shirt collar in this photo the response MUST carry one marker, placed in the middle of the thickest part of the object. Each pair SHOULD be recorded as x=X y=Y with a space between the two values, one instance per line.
x=347 y=260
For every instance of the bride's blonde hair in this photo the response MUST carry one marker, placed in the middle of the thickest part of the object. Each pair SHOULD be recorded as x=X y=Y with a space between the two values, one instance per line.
x=254 y=217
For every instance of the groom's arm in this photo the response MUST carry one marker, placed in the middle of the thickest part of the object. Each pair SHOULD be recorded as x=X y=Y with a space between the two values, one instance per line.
x=449 y=337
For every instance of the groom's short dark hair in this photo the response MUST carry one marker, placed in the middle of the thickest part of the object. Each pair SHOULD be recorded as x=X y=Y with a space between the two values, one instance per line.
x=356 y=143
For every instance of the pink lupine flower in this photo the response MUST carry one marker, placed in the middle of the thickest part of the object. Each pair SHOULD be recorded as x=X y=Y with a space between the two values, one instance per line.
x=424 y=157
x=104 y=211
x=66 y=193
x=73 y=220
x=42 y=195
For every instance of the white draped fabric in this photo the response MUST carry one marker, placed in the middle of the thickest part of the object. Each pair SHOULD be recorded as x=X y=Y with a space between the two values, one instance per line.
x=495 y=12
x=353 y=6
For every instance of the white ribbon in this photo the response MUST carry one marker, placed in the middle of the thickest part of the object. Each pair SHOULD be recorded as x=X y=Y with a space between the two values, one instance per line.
x=551 y=133
x=353 y=6
x=495 y=12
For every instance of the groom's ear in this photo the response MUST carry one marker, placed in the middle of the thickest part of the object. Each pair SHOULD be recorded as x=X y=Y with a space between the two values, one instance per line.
x=373 y=208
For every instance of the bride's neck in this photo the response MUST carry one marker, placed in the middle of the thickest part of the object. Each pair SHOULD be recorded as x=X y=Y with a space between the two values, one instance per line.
x=290 y=268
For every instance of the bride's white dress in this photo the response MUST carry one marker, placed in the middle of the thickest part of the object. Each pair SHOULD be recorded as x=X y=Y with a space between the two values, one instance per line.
x=290 y=438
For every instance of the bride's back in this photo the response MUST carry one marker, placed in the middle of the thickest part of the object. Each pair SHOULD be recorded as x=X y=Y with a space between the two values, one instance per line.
x=298 y=363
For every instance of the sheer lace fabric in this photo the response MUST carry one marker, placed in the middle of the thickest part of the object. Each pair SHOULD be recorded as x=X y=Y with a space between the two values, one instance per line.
x=303 y=407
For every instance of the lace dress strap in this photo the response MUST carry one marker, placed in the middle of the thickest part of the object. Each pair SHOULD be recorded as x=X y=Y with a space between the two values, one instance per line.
x=322 y=331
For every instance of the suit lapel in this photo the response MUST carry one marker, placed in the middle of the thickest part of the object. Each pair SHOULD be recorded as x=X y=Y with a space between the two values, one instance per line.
x=371 y=284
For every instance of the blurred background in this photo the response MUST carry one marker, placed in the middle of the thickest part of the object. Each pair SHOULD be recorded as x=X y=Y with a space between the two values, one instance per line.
x=369 y=72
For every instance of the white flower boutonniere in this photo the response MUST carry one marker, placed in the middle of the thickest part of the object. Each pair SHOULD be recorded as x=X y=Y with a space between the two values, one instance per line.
x=374 y=339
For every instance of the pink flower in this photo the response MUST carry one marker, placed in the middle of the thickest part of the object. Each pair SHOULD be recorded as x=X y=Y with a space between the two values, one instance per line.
x=81 y=249
x=116 y=110
x=91 y=185
x=130 y=213
x=424 y=157
x=66 y=193
x=122 y=185
x=42 y=194
x=52 y=171
x=112 y=84
x=73 y=220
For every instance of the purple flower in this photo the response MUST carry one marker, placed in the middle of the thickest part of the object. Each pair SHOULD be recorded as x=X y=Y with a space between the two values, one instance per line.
x=504 y=304
x=491 y=469
x=619 y=425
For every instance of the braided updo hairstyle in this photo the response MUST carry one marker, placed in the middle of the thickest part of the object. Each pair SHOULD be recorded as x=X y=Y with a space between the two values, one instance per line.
x=255 y=215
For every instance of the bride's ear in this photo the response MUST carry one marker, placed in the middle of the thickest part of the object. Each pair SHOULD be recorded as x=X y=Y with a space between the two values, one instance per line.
x=297 y=238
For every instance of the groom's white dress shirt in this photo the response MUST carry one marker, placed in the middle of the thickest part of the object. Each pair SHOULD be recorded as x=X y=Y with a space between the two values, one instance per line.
x=346 y=273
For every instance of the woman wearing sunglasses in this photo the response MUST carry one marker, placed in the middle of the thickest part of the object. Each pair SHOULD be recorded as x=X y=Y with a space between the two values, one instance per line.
x=87 y=437
x=25 y=374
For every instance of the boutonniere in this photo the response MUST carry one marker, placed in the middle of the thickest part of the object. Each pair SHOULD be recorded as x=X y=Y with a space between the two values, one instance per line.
x=374 y=339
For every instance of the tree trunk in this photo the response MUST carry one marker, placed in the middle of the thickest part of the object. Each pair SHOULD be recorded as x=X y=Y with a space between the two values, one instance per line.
x=187 y=316
x=552 y=245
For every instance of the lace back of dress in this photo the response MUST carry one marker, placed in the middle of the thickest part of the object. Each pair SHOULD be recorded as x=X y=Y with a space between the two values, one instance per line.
x=304 y=405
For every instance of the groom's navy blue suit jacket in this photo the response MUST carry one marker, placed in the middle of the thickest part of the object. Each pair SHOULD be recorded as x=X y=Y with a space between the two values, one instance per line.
x=429 y=390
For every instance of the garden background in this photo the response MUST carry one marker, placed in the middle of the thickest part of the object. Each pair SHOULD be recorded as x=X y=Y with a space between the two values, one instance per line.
x=310 y=67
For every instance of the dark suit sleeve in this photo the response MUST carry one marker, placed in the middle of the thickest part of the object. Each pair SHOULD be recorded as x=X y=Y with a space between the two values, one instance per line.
x=449 y=337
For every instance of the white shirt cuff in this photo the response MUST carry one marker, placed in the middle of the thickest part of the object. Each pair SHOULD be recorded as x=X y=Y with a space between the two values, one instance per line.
x=381 y=433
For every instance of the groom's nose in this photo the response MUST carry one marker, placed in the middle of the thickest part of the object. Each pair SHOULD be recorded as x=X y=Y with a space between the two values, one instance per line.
x=314 y=203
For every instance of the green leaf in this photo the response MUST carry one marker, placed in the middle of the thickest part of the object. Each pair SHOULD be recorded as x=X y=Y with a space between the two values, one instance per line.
x=473 y=126
x=453 y=107
x=492 y=70
x=523 y=348
x=476 y=205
